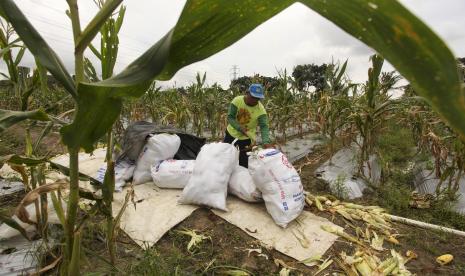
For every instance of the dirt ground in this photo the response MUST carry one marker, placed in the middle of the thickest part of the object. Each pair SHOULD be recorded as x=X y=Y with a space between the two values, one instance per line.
x=12 y=141
x=224 y=249
x=228 y=248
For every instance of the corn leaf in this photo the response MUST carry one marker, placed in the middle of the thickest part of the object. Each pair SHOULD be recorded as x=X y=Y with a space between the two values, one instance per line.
x=19 y=160
x=8 y=118
x=36 y=44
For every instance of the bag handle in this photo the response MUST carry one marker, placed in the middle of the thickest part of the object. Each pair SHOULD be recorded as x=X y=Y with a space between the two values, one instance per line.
x=234 y=141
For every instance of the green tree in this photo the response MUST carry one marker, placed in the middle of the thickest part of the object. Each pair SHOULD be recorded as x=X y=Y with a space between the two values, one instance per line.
x=242 y=83
x=308 y=75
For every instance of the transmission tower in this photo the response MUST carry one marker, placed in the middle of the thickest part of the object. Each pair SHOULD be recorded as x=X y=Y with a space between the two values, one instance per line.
x=234 y=72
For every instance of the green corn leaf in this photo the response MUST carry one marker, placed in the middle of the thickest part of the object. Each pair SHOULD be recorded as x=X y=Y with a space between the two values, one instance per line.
x=96 y=23
x=36 y=44
x=8 y=48
x=19 y=160
x=19 y=56
x=9 y=118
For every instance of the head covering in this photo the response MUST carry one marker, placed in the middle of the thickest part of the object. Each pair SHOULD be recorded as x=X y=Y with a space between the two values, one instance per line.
x=256 y=90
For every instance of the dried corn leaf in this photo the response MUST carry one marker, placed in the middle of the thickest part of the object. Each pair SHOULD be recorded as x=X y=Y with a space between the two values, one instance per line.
x=250 y=250
x=33 y=195
x=410 y=255
x=300 y=236
x=363 y=268
x=284 y=271
x=312 y=260
x=377 y=242
x=195 y=238
x=318 y=204
x=348 y=270
x=323 y=266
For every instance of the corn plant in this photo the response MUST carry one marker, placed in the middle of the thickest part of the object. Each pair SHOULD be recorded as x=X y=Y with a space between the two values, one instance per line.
x=372 y=109
x=435 y=137
x=107 y=55
x=205 y=28
x=334 y=104
x=281 y=105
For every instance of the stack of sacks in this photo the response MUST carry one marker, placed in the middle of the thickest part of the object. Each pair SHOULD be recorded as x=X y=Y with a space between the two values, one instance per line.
x=212 y=171
x=279 y=183
x=158 y=148
x=175 y=174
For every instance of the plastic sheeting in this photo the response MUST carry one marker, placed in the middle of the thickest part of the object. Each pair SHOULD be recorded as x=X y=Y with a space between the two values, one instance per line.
x=256 y=222
x=135 y=137
x=426 y=183
x=341 y=173
x=156 y=211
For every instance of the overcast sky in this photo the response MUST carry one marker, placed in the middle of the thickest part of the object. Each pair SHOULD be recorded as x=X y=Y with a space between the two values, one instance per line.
x=295 y=36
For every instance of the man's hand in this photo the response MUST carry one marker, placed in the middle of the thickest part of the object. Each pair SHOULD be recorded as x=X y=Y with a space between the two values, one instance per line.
x=244 y=131
x=268 y=146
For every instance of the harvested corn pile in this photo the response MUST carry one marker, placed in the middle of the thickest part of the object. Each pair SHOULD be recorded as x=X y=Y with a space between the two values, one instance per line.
x=372 y=228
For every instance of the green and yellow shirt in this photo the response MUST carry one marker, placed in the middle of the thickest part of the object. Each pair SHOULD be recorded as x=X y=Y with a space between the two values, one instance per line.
x=248 y=117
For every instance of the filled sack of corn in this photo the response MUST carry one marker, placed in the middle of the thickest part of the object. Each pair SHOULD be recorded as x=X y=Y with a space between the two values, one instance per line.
x=173 y=174
x=241 y=185
x=209 y=182
x=158 y=147
x=279 y=183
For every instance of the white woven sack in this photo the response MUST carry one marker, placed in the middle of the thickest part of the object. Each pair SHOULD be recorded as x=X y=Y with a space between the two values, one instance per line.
x=158 y=147
x=209 y=182
x=241 y=185
x=279 y=183
x=173 y=174
x=123 y=173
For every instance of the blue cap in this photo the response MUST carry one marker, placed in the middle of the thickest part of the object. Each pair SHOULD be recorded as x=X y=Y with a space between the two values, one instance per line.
x=256 y=91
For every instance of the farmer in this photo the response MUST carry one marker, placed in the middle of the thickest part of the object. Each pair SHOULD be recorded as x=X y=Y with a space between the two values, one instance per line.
x=244 y=114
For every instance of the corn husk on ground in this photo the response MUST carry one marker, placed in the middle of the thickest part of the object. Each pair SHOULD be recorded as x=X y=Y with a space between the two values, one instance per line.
x=372 y=229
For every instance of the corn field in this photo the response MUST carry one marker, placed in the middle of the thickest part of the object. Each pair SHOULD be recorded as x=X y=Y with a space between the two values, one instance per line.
x=87 y=109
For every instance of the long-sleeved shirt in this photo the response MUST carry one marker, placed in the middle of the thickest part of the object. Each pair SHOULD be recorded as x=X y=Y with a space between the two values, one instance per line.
x=245 y=117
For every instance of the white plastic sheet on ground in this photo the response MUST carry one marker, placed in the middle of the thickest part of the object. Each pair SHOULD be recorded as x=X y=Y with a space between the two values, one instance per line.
x=254 y=218
x=156 y=212
x=426 y=183
x=341 y=173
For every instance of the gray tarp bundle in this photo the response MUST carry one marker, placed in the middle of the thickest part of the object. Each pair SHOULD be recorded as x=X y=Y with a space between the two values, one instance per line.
x=136 y=134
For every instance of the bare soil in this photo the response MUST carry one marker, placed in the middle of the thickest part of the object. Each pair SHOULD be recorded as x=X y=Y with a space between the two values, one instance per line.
x=12 y=140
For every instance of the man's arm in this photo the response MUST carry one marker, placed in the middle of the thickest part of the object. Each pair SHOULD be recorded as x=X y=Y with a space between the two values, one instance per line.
x=232 y=114
x=264 y=129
